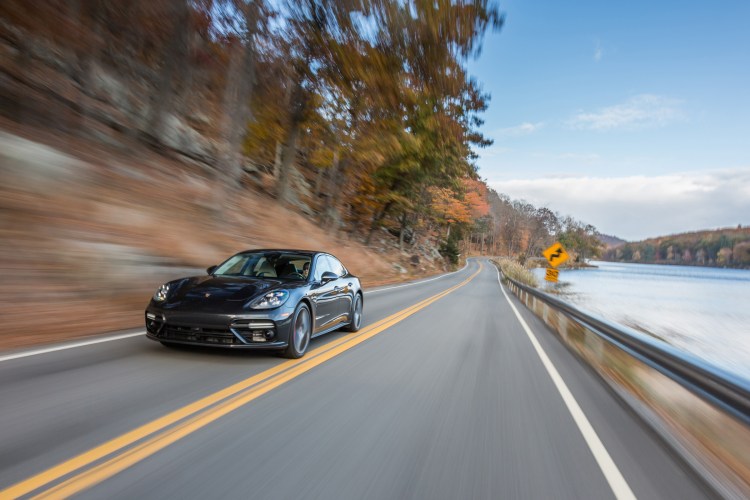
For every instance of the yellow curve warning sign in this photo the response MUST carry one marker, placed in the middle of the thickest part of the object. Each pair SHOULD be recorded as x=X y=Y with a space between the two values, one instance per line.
x=555 y=254
x=551 y=275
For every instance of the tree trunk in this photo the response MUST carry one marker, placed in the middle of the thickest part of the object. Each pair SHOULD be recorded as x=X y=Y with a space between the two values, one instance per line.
x=174 y=60
x=288 y=155
x=277 y=160
x=236 y=113
x=319 y=184
x=289 y=149
x=376 y=221
x=401 y=231
x=332 y=193
x=86 y=54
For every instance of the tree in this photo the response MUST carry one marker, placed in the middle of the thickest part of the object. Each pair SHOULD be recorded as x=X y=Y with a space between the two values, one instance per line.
x=435 y=116
x=649 y=253
x=582 y=240
x=371 y=98
x=724 y=258
x=312 y=27
x=542 y=225
x=239 y=83
x=741 y=253
x=174 y=65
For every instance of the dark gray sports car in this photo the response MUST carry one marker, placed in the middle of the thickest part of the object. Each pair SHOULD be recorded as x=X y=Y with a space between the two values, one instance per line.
x=258 y=299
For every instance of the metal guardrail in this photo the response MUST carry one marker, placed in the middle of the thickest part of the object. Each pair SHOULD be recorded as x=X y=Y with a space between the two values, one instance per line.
x=708 y=381
x=701 y=410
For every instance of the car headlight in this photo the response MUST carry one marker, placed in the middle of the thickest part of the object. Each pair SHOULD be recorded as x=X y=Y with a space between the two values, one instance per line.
x=161 y=293
x=270 y=300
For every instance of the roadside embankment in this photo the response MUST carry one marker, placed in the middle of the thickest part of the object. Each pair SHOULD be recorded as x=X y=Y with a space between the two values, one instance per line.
x=87 y=233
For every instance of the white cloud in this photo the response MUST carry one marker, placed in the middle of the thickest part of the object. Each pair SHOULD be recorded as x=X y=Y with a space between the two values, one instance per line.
x=598 y=51
x=641 y=111
x=639 y=207
x=525 y=128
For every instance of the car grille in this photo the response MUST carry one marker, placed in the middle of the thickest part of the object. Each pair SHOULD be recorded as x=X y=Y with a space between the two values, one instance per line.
x=220 y=336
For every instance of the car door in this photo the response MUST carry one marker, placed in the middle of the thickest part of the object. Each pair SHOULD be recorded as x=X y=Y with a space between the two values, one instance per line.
x=324 y=296
x=343 y=290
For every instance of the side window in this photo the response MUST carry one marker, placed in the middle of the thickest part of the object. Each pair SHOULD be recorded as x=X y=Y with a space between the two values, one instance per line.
x=321 y=265
x=336 y=266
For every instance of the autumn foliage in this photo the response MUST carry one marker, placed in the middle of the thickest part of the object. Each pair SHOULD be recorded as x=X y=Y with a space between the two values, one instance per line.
x=728 y=247
x=362 y=113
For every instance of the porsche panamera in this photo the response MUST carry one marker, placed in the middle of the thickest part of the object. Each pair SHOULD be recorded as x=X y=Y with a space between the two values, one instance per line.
x=258 y=299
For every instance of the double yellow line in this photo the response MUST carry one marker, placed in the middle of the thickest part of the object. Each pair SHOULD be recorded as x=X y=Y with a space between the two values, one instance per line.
x=116 y=455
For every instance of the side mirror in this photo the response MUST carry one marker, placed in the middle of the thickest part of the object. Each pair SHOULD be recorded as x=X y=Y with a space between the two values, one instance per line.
x=328 y=276
x=211 y=269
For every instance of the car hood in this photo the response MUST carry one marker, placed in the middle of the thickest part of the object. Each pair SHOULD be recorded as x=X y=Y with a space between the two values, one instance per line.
x=219 y=293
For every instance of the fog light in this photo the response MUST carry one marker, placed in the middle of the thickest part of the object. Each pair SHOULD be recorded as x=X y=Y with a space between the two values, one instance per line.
x=151 y=316
x=259 y=337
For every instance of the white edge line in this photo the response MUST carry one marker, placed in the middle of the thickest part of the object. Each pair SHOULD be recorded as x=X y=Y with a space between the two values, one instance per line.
x=608 y=467
x=418 y=282
x=73 y=345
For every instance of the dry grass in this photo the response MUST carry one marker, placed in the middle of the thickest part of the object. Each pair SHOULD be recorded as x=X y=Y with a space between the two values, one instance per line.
x=516 y=271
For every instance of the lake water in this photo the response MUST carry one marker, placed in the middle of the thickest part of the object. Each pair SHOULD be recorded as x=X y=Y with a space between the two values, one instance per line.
x=705 y=311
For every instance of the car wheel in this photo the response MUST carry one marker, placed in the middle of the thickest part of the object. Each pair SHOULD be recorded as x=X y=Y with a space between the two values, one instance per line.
x=299 y=336
x=356 y=315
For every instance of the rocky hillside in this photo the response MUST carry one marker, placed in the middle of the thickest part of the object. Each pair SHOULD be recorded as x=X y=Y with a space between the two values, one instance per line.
x=140 y=141
x=97 y=209
x=87 y=233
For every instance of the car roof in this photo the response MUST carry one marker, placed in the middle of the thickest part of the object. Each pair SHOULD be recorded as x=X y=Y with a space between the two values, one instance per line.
x=284 y=250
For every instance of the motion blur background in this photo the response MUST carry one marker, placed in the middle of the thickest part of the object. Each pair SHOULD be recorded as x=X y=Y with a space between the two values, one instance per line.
x=145 y=140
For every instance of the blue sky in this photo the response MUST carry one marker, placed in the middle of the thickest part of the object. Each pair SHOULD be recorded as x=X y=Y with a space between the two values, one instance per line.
x=632 y=116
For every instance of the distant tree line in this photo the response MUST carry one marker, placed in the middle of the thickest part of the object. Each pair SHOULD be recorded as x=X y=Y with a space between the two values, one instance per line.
x=719 y=248
x=520 y=229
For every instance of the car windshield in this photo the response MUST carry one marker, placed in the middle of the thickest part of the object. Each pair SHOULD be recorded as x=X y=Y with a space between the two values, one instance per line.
x=283 y=265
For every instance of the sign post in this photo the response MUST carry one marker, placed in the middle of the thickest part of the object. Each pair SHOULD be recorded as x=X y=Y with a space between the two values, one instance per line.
x=551 y=275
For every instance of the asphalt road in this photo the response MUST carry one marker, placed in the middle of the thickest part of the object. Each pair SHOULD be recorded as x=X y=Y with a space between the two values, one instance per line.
x=446 y=400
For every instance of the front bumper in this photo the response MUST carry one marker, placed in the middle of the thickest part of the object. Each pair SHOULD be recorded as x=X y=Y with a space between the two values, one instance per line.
x=267 y=330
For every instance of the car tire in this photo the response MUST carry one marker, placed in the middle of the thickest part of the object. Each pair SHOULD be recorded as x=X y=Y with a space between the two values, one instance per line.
x=301 y=331
x=356 y=315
